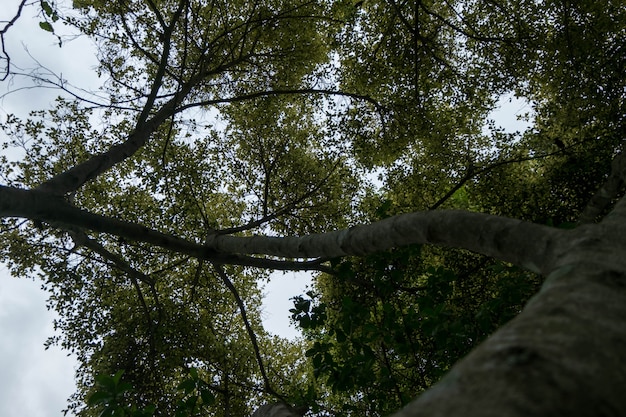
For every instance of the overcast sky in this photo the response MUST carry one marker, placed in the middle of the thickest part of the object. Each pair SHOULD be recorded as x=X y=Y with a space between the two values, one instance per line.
x=35 y=382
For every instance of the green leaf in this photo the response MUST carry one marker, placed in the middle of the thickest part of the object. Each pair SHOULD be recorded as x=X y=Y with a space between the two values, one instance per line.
x=118 y=376
x=99 y=397
x=149 y=410
x=47 y=8
x=107 y=412
x=207 y=397
x=188 y=385
x=123 y=387
x=46 y=26
x=105 y=381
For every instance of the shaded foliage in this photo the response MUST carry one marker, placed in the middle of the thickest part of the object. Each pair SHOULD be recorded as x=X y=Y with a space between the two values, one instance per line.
x=290 y=118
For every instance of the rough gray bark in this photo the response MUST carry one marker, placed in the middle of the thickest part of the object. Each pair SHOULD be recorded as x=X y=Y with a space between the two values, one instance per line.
x=605 y=194
x=564 y=355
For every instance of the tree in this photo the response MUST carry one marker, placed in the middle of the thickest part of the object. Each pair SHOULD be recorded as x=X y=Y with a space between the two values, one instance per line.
x=238 y=137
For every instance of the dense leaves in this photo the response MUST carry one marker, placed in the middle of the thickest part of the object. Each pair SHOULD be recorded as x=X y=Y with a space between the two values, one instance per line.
x=386 y=328
x=288 y=118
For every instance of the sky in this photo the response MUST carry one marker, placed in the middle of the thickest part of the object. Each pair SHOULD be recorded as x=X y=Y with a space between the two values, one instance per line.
x=35 y=382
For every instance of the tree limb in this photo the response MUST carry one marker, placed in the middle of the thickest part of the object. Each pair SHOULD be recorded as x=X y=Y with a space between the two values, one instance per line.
x=524 y=244
x=244 y=316
x=3 y=31
x=607 y=192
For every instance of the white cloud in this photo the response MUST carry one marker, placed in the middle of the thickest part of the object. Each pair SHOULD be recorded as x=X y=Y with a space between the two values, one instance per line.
x=35 y=382
x=277 y=301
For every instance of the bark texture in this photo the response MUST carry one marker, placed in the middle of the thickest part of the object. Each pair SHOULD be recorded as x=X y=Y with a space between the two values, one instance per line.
x=515 y=241
x=564 y=355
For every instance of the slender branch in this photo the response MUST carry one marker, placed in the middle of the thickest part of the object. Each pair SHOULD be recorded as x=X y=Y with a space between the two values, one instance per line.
x=283 y=210
x=41 y=82
x=249 y=96
x=475 y=35
x=161 y=70
x=3 y=31
x=81 y=239
x=157 y=13
x=255 y=344
x=472 y=172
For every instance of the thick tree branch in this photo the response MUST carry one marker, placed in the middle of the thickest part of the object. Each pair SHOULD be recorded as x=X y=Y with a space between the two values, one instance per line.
x=75 y=177
x=525 y=244
x=562 y=356
x=56 y=211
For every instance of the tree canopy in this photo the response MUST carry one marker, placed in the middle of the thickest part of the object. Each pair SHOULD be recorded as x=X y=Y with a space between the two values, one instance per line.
x=351 y=139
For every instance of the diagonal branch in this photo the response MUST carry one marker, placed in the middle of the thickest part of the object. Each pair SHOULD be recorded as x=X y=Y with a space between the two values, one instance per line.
x=81 y=239
x=525 y=244
x=161 y=70
x=607 y=192
x=285 y=209
x=3 y=31
x=473 y=172
x=56 y=211
x=242 y=309
x=75 y=177
x=279 y=92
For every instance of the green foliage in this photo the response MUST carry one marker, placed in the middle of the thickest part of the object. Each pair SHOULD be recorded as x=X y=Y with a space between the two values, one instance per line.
x=197 y=395
x=286 y=118
x=110 y=397
x=50 y=16
x=387 y=327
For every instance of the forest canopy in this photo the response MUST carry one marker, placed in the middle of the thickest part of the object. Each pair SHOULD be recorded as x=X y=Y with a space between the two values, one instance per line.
x=230 y=139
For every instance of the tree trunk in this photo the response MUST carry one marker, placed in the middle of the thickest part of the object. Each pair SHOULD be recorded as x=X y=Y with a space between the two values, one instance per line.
x=564 y=355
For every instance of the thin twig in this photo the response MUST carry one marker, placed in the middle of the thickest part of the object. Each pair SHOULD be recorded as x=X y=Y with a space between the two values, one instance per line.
x=3 y=31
